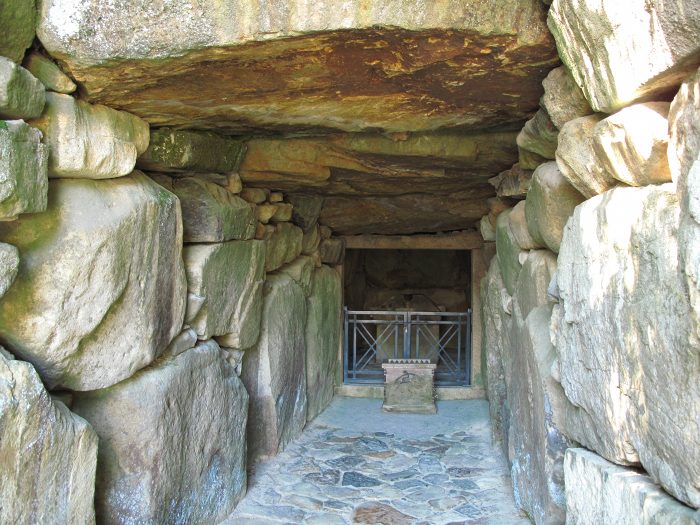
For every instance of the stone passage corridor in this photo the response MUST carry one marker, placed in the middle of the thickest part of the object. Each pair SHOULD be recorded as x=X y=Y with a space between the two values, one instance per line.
x=356 y=464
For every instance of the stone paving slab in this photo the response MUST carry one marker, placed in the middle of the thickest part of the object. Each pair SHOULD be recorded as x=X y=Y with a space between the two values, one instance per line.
x=357 y=464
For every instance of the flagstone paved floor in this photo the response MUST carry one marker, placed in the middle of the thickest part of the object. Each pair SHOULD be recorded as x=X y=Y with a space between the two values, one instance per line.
x=356 y=464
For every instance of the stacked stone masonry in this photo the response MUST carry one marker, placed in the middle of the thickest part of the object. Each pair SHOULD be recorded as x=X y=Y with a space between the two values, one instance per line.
x=171 y=287
x=599 y=349
x=142 y=293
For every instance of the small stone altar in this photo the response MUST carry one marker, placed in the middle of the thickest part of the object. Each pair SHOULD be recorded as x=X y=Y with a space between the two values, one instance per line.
x=408 y=386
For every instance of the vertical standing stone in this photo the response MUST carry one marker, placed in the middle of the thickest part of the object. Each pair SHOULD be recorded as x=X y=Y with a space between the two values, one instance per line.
x=323 y=331
x=48 y=454
x=508 y=251
x=172 y=440
x=496 y=341
x=538 y=407
x=629 y=355
x=274 y=371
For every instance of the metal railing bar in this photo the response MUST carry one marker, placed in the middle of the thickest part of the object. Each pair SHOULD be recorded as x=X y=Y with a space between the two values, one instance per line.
x=411 y=313
x=413 y=333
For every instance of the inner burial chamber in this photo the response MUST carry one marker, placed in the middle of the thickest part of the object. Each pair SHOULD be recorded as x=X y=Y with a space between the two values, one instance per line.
x=407 y=304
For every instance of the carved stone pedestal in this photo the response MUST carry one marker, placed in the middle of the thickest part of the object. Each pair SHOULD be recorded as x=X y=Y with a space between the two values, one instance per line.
x=408 y=386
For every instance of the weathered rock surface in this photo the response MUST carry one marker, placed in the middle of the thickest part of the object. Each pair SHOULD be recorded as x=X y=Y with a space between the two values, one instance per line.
x=406 y=214
x=577 y=160
x=563 y=99
x=332 y=251
x=599 y=492
x=187 y=150
x=22 y=96
x=549 y=204
x=632 y=144
x=684 y=131
x=182 y=459
x=49 y=73
x=514 y=182
x=234 y=184
x=254 y=195
x=683 y=153
x=283 y=247
x=518 y=227
x=311 y=240
x=539 y=135
x=354 y=163
x=487 y=229
x=18 y=21
x=307 y=209
x=529 y=160
x=100 y=276
x=9 y=265
x=323 y=331
x=274 y=371
x=622 y=52
x=628 y=358
x=537 y=406
x=343 y=65
x=48 y=453
x=92 y=142
x=23 y=170
x=264 y=212
x=509 y=252
x=283 y=212
x=437 y=181
x=210 y=213
x=228 y=280
x=301 y=270
x=531 y=288
x=496 y=327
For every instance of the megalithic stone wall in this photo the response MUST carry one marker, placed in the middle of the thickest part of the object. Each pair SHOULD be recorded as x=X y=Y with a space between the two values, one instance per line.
x=274 y=371
x=172 y=440
x=48 y=454
x=323 y=333
x=596 y=346
x=106 y=287
x=607 y=353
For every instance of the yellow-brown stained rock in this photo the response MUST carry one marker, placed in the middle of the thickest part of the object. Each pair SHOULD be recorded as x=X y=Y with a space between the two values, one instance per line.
x=354 y=80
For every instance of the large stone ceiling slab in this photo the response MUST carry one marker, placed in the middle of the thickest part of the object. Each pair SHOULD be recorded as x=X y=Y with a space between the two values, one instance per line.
x=406 y=183
x=250 y=66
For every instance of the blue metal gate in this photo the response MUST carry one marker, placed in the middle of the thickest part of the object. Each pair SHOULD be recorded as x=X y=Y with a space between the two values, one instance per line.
x=372 y=337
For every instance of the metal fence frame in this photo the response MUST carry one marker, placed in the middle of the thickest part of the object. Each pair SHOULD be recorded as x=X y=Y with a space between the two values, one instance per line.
x=413 y=326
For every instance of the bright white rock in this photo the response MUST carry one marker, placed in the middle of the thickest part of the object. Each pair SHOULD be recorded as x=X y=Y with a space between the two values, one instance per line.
x=101 y=287
x=48 y=453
